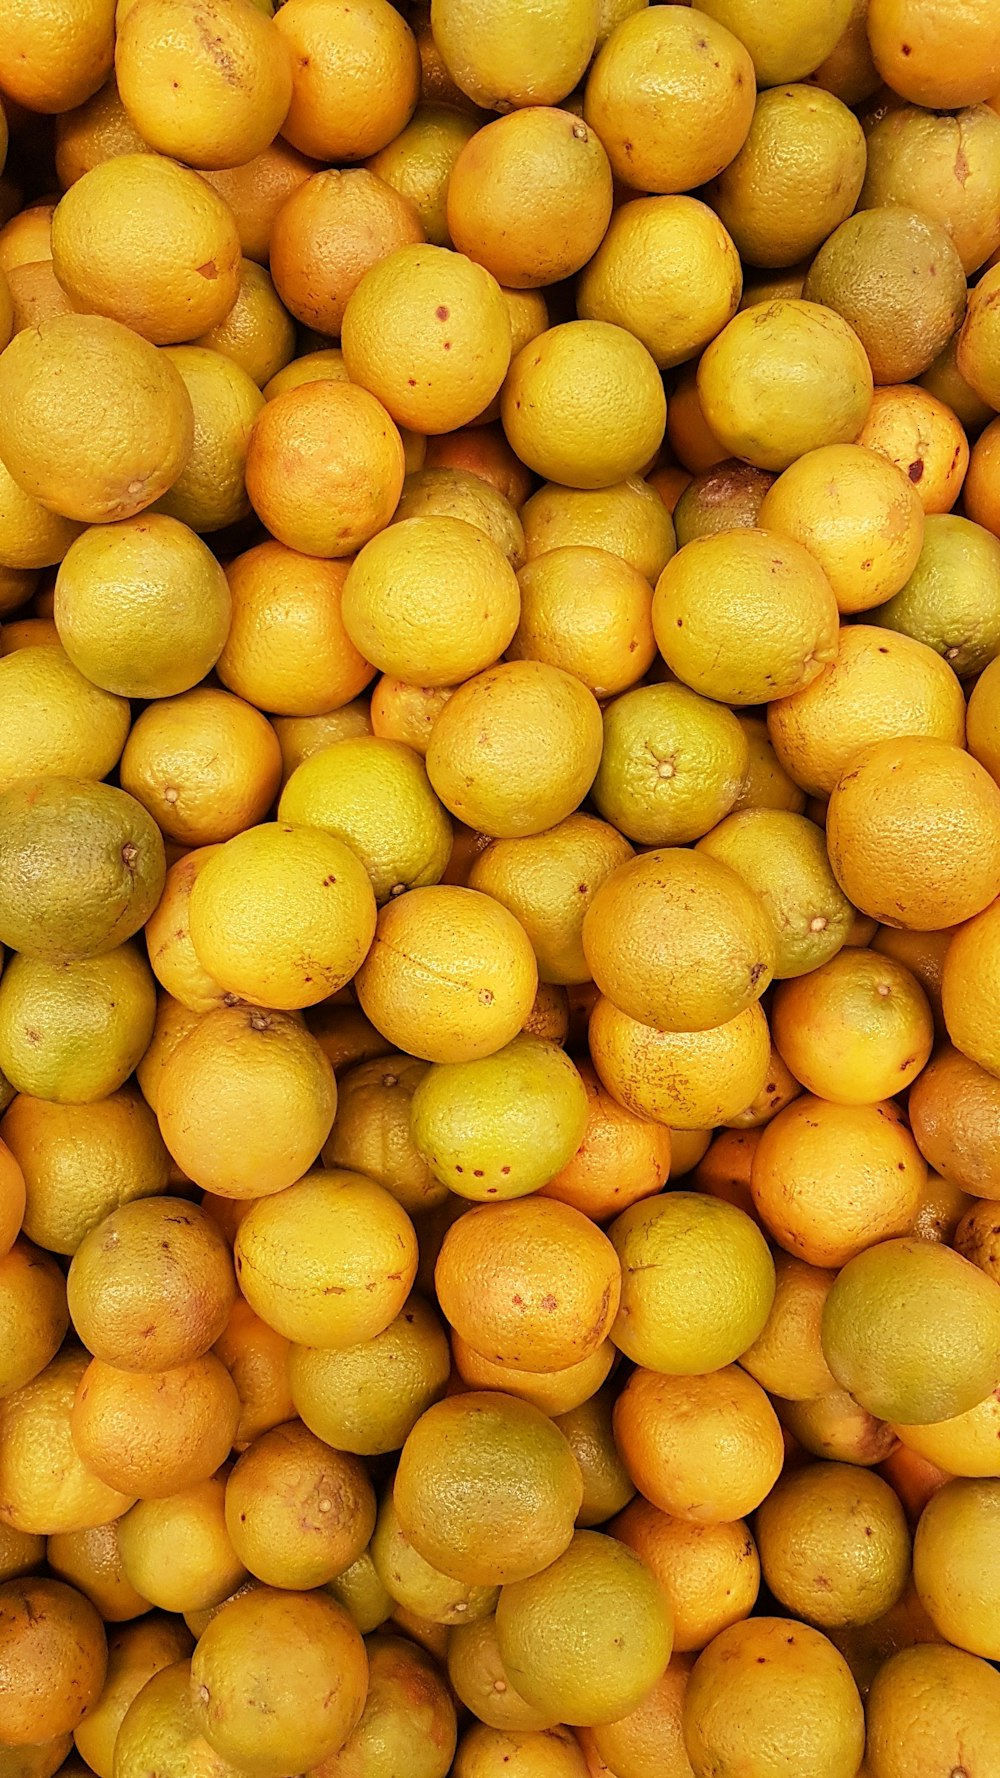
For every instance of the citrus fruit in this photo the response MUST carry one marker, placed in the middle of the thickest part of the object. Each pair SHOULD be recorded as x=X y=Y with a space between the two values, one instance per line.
x=287 y=650
x=529 y=196
x=339 y=788
x=210 y=492
x=549 y=881
x=450 y=975
x=415 y=1585
x=917 y=52
x=834 y=1546
x=408 y=1715
x=952 y=1561
x=589 y=613
x=427 y=331
x=45 y=1486
x=478 y=761
x=856 y=1030
x=969 y=970
x=725 y=497
x=670 y=112
x=301 y=1654
x=688 y=1079
x=829 y=1180
x=80 y=1162
x=503 y=59
x=311 y=499
x=783 y=378
x=431 y=601
x=953 y=1108
x=882 y=685
x=246 y=1101
x=628 y=520
x=159 y=1247
x=355 y=77
x=697 y=1283
x=588 y=1429
x=796 y=177
x=913 y=1331
x=780 y=1681
x=783 y=858
x=583 y=404
x=668 y=271
x=327 y=234
x=296 y=1512
x=923 y=437
x=621 y=1159
x=930 y=1703
x=949 y=600
x=480 y=1681
x=911 y=161
x=33 y=1314
x=371 y=1131
x=256 y=333
x=745 y=616
x=944 y=873
x=786 y=1358
x=706 y=1449
x=179 y=1550
x=515 y=1753
x=110 y=262
x=206 y=765
x=865 y=528
x=54 y=1658
x=487 y=1489
x=367 y=1398
x=709 y=1573
x=502 y=1124
x=142 y=607
x=287 y=1257
x=894 y=275
x=965 y=1445
x=531 y=1286
x=672 y=764
x=135 y=1653
x=418 y=163
x=589 y=1635
x=73 y=1032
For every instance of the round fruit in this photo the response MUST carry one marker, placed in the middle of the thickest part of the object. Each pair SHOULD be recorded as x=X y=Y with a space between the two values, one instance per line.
x=671 y=96
x=462 y=494
x=923 y=437
x=427 y=331
x=687 y=1080
x=80 y=1162
x=33 y=1314
x=855 y=1030
x=584 y=405
x=954 y=1111
x=325 y=468
x=142 y=607
x=73 y=1032
x=287 y=650
x=418 y=163
x=913 y=1331
x=374 y=796
x=94 y=422
x=779 y=1682
x=830 y=1180
x=82 y=868
x=588 y=612
x=206 y=765
x=621 y=1159
x=548 y=881
x=415 y=1585
x=920 y=871
x=408 y=1716
x=896 y=278
x=54 y=1658
x=325 y=237
x=933 y=1703
x=857 y=514
x=796 y=177
x=697 y=1283
x=367 y=1398
x=709 y=1573
x=44 y=1484
x=135 y=1654
x=109 y=235
x=151 y=1433
x=833 y=1543
x=881 y=687
x=236 y=87
x=246 y=1101
x=328 y=1262
x=503 y=1124
x=953 y=1564
x=152 y=1285
x=628 y=520
x=503 y=60
x=480 y=1681
x=487 y=1489
x=178 y=1550
x=588 y=1636
x=296 y=1653
x=532 y=1286
x=706 y=1449
x=298 y=1513
x=784 y=378
x=672 y=764
x=431 y=601
x=450 y=975
x=355 y=77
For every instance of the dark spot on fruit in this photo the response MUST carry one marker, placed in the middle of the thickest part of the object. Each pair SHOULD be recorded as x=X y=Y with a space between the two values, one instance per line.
x=208 y=270
x=906 y=49
x=442 y=313
x=328 y=882
x=916 y=470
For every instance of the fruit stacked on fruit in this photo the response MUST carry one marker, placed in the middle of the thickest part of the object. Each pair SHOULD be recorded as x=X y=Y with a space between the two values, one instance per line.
x=499 y=889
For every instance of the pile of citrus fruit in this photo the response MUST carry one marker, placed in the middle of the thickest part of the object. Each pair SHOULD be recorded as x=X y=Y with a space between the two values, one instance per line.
x=499 y=889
